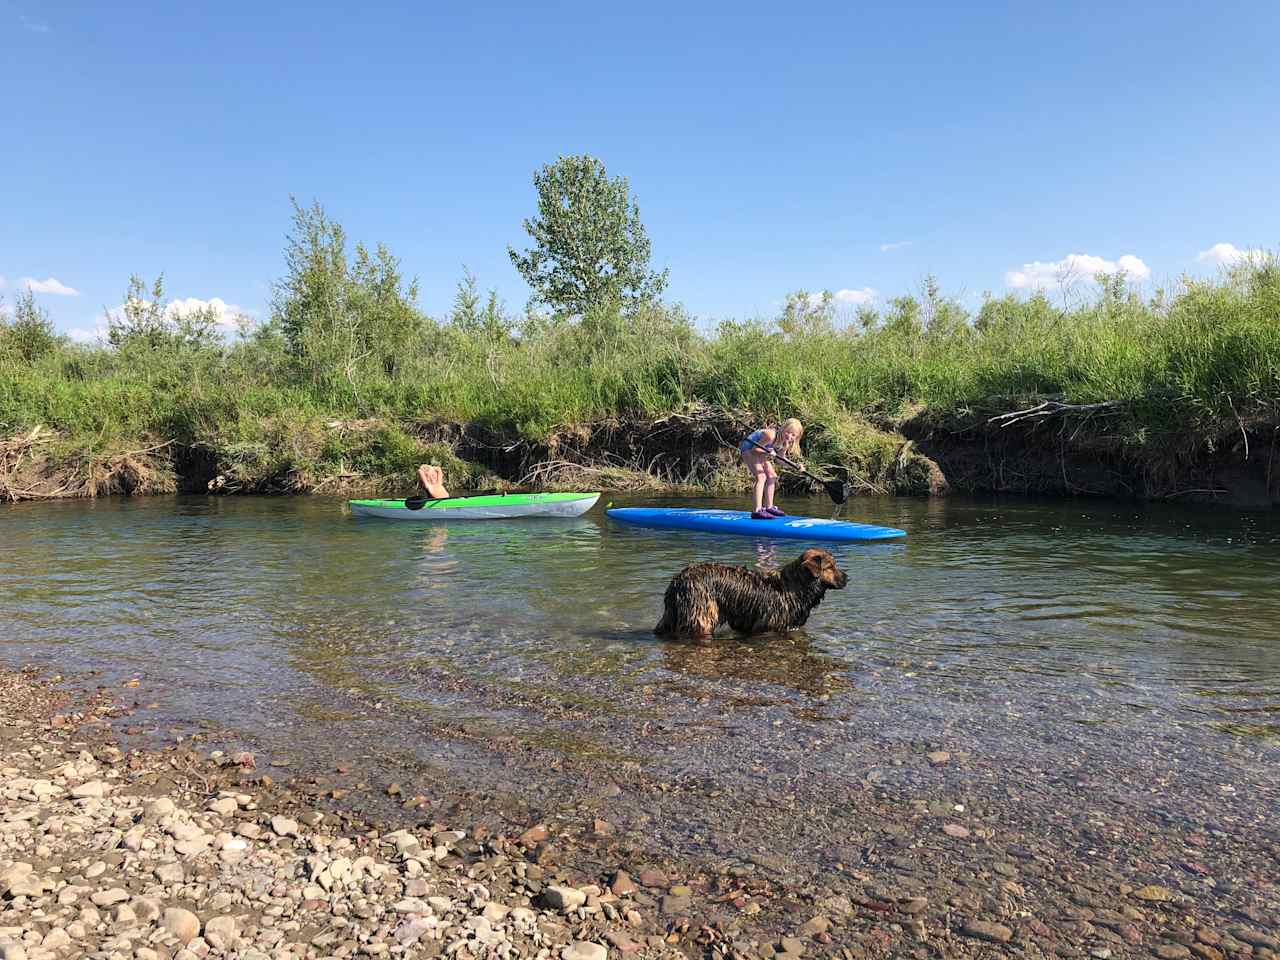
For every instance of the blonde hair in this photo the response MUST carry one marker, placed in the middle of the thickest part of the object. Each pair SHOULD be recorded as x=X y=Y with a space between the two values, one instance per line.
x=797 y=428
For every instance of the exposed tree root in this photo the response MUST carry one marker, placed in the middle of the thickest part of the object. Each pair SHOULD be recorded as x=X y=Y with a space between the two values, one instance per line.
x=38 y=465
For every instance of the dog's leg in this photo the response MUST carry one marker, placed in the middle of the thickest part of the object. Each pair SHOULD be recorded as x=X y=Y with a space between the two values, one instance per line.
x=667 y=625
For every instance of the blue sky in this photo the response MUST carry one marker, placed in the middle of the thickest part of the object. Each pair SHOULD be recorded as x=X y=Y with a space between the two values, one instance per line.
x=853 y=147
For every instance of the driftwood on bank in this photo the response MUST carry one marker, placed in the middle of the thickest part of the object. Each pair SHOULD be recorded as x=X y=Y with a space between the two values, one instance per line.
x=32 y=469
x=1052 y=408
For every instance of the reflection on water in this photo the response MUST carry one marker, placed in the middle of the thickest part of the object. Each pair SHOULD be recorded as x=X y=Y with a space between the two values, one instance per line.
x=259 y=612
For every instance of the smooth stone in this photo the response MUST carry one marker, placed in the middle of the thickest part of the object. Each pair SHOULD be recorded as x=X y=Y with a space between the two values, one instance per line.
x=991 y=932
x=284 y=827
x=170 y=873
x=584 y=950
x=92 y=789
x=158 y=808
x=622 y=884
x=563 y=898
x=147 y=908
x=223 y=927
x=183 y=924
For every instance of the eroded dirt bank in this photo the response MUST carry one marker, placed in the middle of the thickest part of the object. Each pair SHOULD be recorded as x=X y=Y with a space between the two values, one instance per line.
x=1060 y=454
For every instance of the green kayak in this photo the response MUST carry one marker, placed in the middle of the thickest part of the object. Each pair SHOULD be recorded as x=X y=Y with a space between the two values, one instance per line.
x=495 y=506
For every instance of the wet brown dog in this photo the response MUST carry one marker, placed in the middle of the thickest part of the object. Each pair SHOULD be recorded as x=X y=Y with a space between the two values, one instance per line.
x=704 y=596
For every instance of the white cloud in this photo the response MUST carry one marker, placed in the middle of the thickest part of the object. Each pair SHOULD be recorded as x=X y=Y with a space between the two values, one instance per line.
x=224 y=314
x=848 y=297
x=886 y=247
x=1074 y=268
x=856 y=297
x=1228 y=254
x=50 y=285
x=87 y=335
x=1 y=281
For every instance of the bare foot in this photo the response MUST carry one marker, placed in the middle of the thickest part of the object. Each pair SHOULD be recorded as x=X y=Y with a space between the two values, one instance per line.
x=432 y=479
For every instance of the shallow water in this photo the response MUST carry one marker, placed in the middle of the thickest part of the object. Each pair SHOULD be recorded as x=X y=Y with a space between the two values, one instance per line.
x=236 y=602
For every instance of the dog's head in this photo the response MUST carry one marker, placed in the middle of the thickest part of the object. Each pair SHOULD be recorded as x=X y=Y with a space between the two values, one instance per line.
x=821 y=566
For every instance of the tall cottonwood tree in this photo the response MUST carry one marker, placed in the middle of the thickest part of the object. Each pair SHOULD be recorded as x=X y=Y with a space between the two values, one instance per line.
x=589 y=247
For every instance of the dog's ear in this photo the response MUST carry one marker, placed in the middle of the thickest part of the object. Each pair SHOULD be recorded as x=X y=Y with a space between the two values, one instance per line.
x=811 y=560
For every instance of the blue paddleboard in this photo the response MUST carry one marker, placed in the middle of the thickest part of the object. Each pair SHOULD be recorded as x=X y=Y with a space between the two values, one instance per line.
x=739 y=523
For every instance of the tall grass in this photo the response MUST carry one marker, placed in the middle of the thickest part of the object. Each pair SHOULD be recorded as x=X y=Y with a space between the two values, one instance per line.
x=1195 y=362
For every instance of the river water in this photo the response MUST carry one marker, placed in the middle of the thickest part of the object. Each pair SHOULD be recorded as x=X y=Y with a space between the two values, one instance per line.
x=518 y=655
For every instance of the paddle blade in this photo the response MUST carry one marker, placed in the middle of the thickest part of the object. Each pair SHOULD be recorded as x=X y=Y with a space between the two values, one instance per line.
x=837 y=491
x=415 y=503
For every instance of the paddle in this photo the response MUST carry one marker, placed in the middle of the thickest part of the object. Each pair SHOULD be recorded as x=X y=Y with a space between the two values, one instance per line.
x=837 y=490
x=417 y=503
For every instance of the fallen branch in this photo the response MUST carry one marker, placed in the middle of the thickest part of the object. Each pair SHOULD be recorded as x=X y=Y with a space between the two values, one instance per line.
x=1051 y=408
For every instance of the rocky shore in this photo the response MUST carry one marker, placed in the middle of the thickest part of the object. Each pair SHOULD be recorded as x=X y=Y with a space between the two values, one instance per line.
x=165 y=852
x=157 y=854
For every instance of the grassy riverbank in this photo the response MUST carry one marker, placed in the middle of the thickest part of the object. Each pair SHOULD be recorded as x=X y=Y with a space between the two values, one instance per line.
x=1188 y=377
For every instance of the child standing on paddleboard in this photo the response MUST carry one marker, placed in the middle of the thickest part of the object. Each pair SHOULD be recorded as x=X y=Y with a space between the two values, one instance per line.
x=758 y=451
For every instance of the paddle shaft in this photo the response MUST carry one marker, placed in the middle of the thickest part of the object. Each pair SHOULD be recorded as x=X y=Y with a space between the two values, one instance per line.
x=790 y=463
x=837 y=491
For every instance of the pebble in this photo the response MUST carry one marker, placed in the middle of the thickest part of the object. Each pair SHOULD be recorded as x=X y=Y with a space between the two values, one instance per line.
x=1171 y=951
x=159 y=808
x=622 y=884
x=675 y=904
x=170 y=873
x=495 y=912
x=105 y=898
x=563 y=898
x=147 y=909
x=622 y=942
x=92 y=789
x=955 y=830
x=939 y=757
x=984 y=930
x=1255 y=938
x=182 y=923
x=224 y=927
x=652 y=878
x=534 y=835
x=584 y=950
x=224 y=806
x=814 y=926
x=284 y=827
x=1154 y=894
